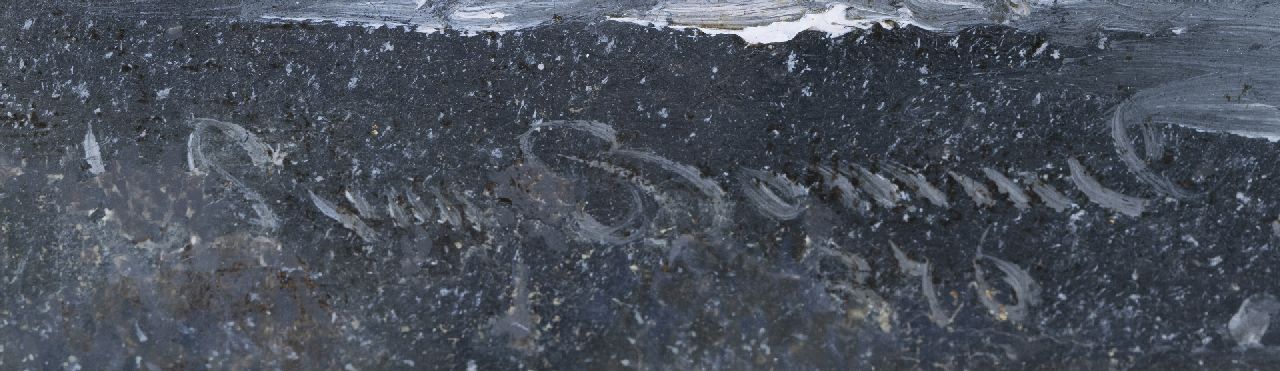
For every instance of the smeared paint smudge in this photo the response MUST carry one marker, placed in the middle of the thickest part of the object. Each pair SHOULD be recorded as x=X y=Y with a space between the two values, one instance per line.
x=591 y=229
x=347 y=220
x=720 y=207
x=1025 y=290
x=914 y=268
x=518 y=321
x=447 y=213
x=421 y=212
x=917 y=182
x=1124 y=146
x=976 y=191
x=92 y=153
x=884 y=192
x=1009 y=188
x=856 y=263
x=1152 y=142
x=137 y=331
x=1215 y=102
x=772 y=194
x=362 y=206
x=594 y=128
x=397 y=212
x=470 y=212
x=848 y=194
x=905 y=264
x=729 y=15
x=930 y=291
x=259 y=153
x=763 y=21
x=853 y=289
x=1253 y=319
x=1050 y=195
x=1098 y=194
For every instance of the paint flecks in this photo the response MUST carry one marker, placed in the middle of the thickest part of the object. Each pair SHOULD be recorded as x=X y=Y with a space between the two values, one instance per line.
x=1098 y=194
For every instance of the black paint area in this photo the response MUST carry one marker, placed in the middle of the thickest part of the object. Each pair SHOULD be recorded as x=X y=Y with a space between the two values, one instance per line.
x=162 y=261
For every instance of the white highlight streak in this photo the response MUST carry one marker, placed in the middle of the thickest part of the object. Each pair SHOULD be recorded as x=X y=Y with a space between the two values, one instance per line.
x=832 y=22
x=92 y=153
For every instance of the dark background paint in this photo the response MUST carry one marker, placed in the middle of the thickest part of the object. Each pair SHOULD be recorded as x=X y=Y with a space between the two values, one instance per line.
x=95 y=264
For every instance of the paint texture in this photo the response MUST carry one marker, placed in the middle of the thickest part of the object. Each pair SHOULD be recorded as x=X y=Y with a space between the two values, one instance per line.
x=670 y=184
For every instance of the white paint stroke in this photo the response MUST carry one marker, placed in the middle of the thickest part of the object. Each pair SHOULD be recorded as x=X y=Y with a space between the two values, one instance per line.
x=398 y=215
x=93 y=153
x=883 y=191
x=1252 y=320
x=362 y=206
x=347 y=220
x=773 y=195
x=1050 y=195
x=1009 y=188
x=260 y=154
x=848 y=194
x=832 y=21
x=976 y=190
x=917 y=182
x=721 y=208
x=1099 y=194
x=1025 y=289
